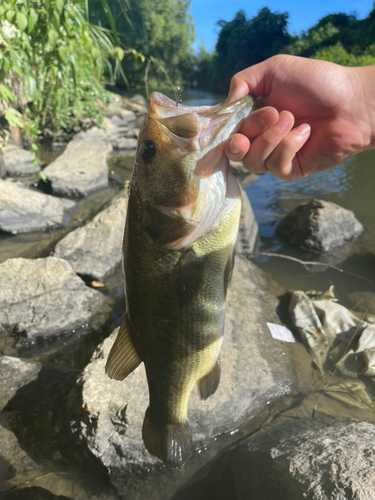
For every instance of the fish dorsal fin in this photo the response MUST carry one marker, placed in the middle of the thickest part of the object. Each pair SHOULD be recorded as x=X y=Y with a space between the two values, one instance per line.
x=208 y=384
x=123 y=357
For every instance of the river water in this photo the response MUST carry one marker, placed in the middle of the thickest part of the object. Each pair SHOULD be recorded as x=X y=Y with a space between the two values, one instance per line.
x=351 y=185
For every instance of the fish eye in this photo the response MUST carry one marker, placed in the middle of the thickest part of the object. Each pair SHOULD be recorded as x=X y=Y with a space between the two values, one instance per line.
x=147 y=150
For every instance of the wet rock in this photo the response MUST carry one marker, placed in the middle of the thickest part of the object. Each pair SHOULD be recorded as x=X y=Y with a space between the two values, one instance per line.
x=319 y=226
x=243 y=176
x=44 y=298
x=95 y=249
x=256 y=370
x=316 y=459
x=125 y=143
x=15 y=373
x=18 y=161
x=82 y=168
x=248 y=232
x=23 y=209
x=93 y=134
x=31 y=493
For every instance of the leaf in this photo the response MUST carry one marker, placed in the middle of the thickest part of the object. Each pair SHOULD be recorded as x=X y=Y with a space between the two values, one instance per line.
x=31 y=87
x=6 y=94
x=63 y=53
x=95 y=53
x=14 y=118
x=17 y=70
x=33 y=18
x=60 y=5
x=42 y=176
x=52 y=38
x=5 y=65
x=22 y=21
x=10 y=15
x=97 y=284
x=119 y=53
x=34 y=147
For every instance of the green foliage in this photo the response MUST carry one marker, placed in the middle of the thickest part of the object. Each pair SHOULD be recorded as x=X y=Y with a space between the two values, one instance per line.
x=162 y=30
x=337 y=54
x=61 y=59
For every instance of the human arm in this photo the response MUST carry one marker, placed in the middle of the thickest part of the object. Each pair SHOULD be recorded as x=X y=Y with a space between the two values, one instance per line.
x=326 y=115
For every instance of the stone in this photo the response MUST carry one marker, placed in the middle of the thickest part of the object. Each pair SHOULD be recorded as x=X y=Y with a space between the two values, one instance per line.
x=81 y=168
x=14 y=374
x=319 y=226
x=248 y=232
x=125 y=143
x=255 y=370
x=95 y=250
x=18 y=161
x=240 y=172
x=44 y=298
x=323 y=458
x=23 y=210
x=123 y=117
x=91 y=135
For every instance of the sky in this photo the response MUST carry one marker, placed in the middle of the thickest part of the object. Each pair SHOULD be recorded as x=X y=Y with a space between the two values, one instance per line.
x=302 y=13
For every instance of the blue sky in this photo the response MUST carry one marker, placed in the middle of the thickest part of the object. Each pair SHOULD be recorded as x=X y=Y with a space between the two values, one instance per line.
x=302 y=13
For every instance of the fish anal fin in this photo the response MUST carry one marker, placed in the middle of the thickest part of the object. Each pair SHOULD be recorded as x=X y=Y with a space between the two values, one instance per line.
x=208 y=384
x=123 y=357
x=169 y=442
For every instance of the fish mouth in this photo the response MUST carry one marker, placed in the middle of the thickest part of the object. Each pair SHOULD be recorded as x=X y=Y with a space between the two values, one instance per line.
x=207 y=125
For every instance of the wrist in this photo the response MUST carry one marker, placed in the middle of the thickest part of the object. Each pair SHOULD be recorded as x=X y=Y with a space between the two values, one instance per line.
x=365 y=97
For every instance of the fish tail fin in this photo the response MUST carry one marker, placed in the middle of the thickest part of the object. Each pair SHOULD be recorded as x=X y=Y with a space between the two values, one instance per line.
x=171 y=443
x=208 y=384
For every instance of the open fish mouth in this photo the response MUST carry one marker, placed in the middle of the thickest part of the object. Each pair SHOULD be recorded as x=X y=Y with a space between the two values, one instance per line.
x=208 y=125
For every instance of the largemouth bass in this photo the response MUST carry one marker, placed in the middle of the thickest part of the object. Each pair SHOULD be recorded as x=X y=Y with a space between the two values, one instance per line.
x=181 y=227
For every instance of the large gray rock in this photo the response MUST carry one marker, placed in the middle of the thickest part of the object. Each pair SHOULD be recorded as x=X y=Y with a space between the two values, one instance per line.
x=256 y=370
x=316 y=459
x=23 y=209
x=319 y=226
x=95 y=249
x=14 y=374
x=18 y=161
x=82 y=168
x=44 y=298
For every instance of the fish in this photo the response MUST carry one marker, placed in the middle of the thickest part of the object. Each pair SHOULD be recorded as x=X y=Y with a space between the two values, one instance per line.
x=178 y=256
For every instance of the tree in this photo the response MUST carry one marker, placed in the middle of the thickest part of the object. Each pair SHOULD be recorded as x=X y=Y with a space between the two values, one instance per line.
x=163 y=30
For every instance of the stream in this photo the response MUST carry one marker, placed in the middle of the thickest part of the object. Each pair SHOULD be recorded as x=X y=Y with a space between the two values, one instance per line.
x=350 y=185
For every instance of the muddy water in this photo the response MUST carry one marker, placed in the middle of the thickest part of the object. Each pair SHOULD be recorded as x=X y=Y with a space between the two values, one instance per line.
x=351 y=185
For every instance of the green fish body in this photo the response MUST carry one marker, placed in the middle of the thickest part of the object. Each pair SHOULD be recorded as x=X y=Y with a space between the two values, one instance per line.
x=182 y=224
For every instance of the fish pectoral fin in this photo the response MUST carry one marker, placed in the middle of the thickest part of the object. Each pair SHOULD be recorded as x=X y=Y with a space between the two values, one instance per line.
x=208 y=384
x=171 y=443
x=123 y=357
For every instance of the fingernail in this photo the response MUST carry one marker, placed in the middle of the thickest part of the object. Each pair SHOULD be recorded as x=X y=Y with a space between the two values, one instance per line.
x=304 y=130
x=233 y=146
x=283 y=122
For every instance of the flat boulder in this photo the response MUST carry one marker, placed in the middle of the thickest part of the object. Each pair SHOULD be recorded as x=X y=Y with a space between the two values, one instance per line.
x=23 y=210
x=95 y=249
x=18 y=161
x=319 y=226
x=82 y=168
x=256 y=369
x=323 y=458
x=44 y=298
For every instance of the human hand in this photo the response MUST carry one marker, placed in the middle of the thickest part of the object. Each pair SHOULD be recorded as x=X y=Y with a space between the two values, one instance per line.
x=331 y=108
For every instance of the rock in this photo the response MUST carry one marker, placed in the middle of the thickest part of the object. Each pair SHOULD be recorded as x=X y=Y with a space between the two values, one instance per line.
x=319 y=226
x=44 y=298
x=123 y=117
x=256 y=370
x=2 y=166
x=23 y=209
x=248 y=232
x=240 y=172
x=15 y=373
x=82 y=168
x=91 y=135
x=95 y=249
x=125 y=143
x=315 y=459
x=18 y=161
